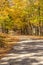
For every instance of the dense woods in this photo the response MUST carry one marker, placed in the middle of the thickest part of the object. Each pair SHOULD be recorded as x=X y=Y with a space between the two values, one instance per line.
x=21 y=16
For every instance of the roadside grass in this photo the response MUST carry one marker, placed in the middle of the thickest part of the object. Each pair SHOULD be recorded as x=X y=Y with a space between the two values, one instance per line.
x=6 y=43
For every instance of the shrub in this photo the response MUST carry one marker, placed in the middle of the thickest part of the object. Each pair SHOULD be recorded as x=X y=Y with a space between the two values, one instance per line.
x=2 y=44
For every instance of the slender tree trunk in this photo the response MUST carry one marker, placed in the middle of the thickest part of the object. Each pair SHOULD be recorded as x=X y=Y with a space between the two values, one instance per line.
x=39 y=19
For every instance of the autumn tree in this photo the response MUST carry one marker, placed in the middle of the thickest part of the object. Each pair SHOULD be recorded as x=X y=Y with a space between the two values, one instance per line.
x=25 y=16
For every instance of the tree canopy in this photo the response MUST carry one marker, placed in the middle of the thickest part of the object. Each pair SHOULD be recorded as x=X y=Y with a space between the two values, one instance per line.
x=21 y=13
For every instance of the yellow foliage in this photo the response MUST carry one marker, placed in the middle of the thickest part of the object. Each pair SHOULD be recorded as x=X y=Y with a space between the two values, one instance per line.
x=36 y=2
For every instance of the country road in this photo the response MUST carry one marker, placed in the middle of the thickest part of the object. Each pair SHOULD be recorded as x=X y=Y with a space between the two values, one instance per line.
x=26 y=52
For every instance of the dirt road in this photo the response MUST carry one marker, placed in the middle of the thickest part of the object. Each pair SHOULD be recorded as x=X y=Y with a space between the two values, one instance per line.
x=27 y=52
